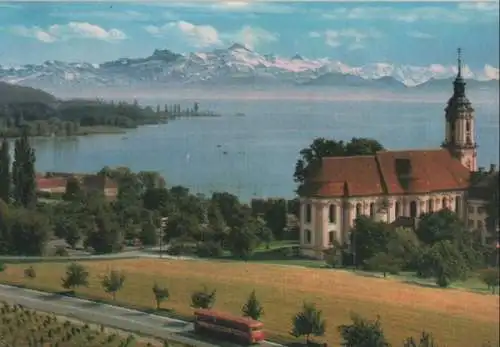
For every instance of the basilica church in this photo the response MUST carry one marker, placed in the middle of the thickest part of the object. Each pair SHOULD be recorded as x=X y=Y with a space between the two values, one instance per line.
x=395 y=185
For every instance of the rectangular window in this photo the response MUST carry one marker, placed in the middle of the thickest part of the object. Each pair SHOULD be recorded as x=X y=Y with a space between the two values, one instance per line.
x=471 y=223
x=480 y=225
x=332 y=214
x=471 y=209
x=308 y=213
x=481 y=210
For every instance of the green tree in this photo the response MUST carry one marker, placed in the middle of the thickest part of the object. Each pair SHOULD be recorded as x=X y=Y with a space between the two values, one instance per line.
x=439 y=226
x=148 y=234
x=29 y=233
x=262 y=231
x=5 y=178
x=106 y=237
x=203 y=298
x=161 y=294
x=113 y=282
x=76 y=276
x=404 y=246
x=308 y=322
x=230 y=208
x=491 y=278
x=155 y=199
x=73 y=191
x=243 y=241
x=368 y=238
x=252 y=307
x=426 y=340
x=444 y=262
x=310 y=157
x=182 y=225
x=492 y=205
x=23 y=173
x=363 y=333
x=383 y=262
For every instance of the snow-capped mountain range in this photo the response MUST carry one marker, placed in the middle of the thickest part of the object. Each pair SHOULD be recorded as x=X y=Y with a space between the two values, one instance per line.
x=236 y=65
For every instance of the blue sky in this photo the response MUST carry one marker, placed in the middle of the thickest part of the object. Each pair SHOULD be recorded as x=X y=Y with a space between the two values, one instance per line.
x=416 y=33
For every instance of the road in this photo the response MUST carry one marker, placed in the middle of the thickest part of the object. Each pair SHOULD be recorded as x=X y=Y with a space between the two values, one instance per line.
x=111 y=316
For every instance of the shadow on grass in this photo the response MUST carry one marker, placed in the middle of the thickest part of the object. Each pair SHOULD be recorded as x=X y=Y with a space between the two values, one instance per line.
x=208 y=338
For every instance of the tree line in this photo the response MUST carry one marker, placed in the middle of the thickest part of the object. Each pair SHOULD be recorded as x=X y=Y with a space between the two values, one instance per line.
x=71 y=117
x=440 y=247
x=208 y=226
x=308 y=322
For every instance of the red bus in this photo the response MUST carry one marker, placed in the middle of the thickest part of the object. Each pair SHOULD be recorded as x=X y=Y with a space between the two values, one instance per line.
x=240 y=329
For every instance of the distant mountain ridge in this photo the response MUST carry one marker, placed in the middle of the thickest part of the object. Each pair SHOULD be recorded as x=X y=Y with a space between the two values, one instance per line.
x=237 y=65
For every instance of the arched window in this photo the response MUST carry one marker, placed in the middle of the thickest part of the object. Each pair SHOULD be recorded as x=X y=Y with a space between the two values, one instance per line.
x=398 y=209
x=430 y=205
x=358 y=210
x=413 y=209
x=308 y=213
x=331 y=237
x=332 y=213
x=372 y=210
x=307 y=236
x=444 y=203
x=467 y=126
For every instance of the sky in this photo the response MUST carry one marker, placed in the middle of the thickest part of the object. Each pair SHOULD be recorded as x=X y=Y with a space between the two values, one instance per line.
x=356 y=33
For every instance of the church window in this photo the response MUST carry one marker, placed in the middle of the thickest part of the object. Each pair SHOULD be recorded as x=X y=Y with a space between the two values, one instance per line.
x=358 y=210
x=413 y=209
x=372 y=210
x=331 y=237
x=332 y=213
x=308 y=213
x=307 y=236
x=398 y=209
x=430 y=205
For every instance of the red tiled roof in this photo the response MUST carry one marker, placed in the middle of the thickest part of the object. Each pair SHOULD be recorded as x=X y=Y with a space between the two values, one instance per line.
x=383 y=173
x=431 y=170
x=49 y=183
x=359 y=175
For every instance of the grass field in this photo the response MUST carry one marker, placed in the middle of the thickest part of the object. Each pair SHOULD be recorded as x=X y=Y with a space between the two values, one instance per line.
x=457 y=318
x=23 y=327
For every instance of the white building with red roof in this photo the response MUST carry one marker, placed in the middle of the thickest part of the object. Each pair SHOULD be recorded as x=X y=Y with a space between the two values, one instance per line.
x=391 y=184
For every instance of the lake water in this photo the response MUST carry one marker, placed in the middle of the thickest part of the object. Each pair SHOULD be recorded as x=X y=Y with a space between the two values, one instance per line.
x=255 y=155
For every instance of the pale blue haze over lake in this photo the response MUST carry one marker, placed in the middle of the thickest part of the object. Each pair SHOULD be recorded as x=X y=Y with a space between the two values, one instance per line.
x=257 y=153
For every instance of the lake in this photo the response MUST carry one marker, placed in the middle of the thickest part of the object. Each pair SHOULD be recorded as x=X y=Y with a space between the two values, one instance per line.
x=255 y=155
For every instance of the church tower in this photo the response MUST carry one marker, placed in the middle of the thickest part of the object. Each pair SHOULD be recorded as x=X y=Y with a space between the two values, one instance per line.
x=460 y=124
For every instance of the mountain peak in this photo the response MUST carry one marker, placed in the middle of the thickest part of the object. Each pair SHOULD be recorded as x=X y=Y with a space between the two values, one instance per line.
x=237 y=46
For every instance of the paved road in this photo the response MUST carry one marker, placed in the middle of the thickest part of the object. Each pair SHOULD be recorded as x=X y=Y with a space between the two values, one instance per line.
x=111 y=316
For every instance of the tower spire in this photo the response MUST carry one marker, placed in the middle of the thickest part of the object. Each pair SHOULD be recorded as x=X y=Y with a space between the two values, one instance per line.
x=459 y=83
x=459 y=61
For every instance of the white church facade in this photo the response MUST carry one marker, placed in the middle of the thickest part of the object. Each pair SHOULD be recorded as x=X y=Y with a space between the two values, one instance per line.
x=391 y=184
